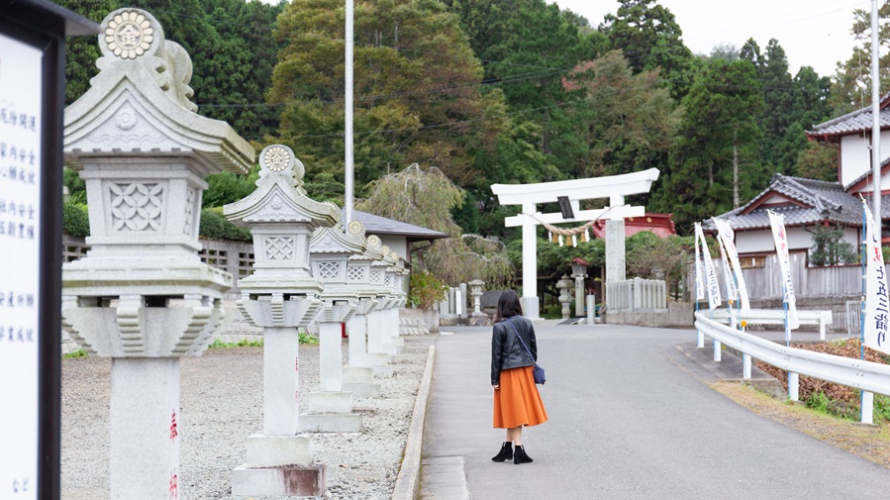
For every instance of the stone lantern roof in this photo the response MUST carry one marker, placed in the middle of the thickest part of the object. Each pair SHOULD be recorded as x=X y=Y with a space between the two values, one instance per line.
x=139 y=104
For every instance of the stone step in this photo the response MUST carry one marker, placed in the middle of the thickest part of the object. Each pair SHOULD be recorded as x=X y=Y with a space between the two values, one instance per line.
x=330 y=423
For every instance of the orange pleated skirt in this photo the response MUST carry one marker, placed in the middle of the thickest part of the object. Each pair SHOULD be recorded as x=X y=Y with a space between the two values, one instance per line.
x=517 y=402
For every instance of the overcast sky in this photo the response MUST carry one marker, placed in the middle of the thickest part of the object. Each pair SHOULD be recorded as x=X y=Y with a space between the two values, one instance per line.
x=813 y=32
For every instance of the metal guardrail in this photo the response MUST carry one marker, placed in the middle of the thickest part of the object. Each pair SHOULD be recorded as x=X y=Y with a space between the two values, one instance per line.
x=856 y=373
x=775 y=317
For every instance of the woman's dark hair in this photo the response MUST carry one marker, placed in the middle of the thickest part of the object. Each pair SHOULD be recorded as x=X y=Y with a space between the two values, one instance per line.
x=508 y=305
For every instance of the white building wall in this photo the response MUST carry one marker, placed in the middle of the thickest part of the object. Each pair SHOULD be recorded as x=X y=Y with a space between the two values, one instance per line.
x=761 y=240
x=856 y=156
x=397 y=244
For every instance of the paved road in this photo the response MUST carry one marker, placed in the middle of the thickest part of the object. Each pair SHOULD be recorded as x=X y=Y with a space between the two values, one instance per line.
x=629 y=419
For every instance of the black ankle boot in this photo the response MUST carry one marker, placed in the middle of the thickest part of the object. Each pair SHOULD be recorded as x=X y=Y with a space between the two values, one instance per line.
x=506 y=452
x=520 y=457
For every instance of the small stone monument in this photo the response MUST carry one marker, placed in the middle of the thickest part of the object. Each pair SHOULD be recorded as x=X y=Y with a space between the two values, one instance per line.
x=579 y=272
x=478 y=318
x=279 y=296
x=142 y=296
x=330 y=408
x=564 y=286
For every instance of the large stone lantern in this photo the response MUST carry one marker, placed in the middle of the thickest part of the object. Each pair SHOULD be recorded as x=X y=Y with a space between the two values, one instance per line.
x=478 y=318
x=330 y=409
x=392 y=281
x=142 y=296
x=279 y=296
x=564 y=286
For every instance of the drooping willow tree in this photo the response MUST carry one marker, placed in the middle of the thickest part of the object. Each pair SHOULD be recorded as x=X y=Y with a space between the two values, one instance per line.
x=425 y=197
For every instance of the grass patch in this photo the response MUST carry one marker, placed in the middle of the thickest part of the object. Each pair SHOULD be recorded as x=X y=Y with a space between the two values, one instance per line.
x=305 y=338
x=80 y=353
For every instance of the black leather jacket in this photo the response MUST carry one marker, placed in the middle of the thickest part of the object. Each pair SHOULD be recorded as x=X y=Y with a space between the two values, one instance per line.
x=506 y=350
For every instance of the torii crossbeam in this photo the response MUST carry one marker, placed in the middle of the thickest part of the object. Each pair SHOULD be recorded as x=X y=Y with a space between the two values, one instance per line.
x=614 y=187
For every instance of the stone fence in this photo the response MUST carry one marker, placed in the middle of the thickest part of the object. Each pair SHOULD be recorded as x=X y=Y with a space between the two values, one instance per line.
x=636 y=294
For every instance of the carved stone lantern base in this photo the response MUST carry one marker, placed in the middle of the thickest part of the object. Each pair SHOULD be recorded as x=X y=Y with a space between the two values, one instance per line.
x=288 y=480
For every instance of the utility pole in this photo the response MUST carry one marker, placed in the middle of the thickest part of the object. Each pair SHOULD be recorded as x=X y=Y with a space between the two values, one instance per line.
x=350 y=159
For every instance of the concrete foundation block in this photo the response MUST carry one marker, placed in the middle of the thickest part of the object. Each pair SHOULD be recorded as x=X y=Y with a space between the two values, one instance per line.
x=397 y=341
x=331 y=423
x=329 y=402
x=378 y=359
x=362 y=390
x=276 y=451
x=358 y=375
x=385 y=371
x=288 y=480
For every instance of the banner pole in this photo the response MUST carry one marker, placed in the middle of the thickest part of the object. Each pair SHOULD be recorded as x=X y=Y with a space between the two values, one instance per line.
x=862 y=310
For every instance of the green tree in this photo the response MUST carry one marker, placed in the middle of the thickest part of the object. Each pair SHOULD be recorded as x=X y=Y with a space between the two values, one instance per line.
x=829 y=249
x=417 y=94
x=851 y=85
x=650 y=37
x=714 y=159
x=629 y=119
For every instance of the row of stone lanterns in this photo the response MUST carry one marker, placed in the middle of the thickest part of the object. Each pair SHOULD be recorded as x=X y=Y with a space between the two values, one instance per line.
x=143 y=297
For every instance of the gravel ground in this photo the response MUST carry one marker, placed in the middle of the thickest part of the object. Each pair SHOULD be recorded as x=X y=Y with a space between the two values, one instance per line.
x=221 y=406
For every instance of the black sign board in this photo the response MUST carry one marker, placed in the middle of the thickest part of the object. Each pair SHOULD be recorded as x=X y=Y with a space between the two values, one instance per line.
x=32 y=99
x=565 y=206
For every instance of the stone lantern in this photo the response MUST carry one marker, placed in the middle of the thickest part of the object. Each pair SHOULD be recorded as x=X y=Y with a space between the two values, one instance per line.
x=330 y=409
x=392 y=281
x=478 y=318
x=279 y=296
x=579 y=272
x=142 y=296
x=377 y=357
x=564 y=285
x=358 y=378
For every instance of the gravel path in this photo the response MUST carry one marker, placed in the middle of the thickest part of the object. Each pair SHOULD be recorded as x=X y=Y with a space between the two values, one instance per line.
x=221 y=406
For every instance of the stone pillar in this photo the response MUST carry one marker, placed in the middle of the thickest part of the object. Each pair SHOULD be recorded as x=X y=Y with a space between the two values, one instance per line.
x=579 y=273
x=529 y=297
x=591 y=309
x=615 y=248
x=142 y=296
x=279 y=296
x=564 y=285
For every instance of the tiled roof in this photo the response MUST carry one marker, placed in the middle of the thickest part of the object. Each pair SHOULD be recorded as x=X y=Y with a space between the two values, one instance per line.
x=374 y=224
x=825 y=200
x=852 y=122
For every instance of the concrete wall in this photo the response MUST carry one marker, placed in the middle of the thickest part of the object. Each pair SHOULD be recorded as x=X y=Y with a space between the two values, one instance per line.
x=678 y=315
x=856 y=156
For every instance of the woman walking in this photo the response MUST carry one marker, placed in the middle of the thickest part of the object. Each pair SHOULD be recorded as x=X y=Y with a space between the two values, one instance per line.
x=514 y=351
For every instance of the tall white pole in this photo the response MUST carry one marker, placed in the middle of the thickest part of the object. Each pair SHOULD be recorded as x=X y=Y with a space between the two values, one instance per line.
x=876 y=117
x=350 y=167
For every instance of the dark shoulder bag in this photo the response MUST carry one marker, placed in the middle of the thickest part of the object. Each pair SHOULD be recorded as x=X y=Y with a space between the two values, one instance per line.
x=537 y=371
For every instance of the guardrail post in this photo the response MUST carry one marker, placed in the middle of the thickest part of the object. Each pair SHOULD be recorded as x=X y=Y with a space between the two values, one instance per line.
x=718 y=351
x=746 y=366
x=867 y=411
x=793 y=386
x=821 y=327
x=701 y=339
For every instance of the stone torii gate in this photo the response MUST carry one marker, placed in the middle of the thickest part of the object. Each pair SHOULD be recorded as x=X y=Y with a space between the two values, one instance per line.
x=569 y=194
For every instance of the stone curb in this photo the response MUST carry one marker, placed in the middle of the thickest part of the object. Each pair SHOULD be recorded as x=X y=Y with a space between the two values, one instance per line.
x=408 y=482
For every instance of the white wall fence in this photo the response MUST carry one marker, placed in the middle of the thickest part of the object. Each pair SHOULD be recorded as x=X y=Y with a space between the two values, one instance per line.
x=821 y=319
x=858 y=374
x=636 y=294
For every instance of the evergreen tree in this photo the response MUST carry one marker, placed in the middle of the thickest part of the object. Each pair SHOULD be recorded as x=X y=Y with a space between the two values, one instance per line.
x=650 y=37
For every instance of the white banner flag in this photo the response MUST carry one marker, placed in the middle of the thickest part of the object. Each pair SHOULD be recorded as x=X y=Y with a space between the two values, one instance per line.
x=699 y=284
x=713 y=287
x=777 y=223
x=874 y=332
x=726 y=235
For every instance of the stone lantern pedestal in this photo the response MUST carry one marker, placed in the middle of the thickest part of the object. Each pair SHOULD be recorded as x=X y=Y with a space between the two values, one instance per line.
x=142 y=296
x=392 y=343
x=564 y=286
x=378 y=356
x=280 y=296
x=358 y=377
x=330 y=408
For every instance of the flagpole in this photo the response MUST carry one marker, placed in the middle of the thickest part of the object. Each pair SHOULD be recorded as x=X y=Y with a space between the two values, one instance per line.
x=875 y=118
x=862 y=393
x=348 y=126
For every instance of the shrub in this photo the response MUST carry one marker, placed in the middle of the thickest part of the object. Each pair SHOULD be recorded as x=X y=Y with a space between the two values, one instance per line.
x=425 y=290
x=75 y=219
x=214 y=225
